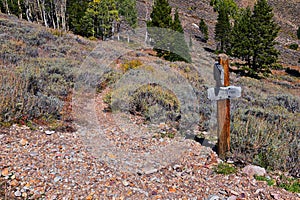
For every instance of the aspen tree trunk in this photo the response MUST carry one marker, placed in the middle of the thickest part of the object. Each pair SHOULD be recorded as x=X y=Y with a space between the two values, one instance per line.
x=146 y=18
x=27 y=12
x=118 y=30
x=39 y=10
x=128 y=39
x=63 y=14
x=51 y=15
x=44 y=13
x=7 y=8
x=20 y=9
x=57 y=15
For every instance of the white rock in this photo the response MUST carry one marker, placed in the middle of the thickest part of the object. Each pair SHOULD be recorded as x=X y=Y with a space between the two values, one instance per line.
x=213 y=197
x=58 y=178
x=125 y=183
x=275 y=196
x=176 y=167
x=150 y=171
x=33 y=153
x=18 y=193
x=195 y=25
x=252 y=170
x=49 y=132
x=232 y=197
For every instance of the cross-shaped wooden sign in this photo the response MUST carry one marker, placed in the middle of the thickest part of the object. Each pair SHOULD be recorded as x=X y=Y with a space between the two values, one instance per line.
x=222 y=93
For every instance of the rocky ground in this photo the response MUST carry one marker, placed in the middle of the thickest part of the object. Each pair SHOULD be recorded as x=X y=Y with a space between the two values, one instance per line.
x=43 y=164
x=52 y=165
x=125 y=161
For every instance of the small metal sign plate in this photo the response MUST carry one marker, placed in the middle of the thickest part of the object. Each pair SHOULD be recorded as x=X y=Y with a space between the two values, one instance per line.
x=219 y=74
x=219 y=93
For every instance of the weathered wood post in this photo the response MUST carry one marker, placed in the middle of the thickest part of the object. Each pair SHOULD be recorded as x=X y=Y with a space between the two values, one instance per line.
x=223 y=112
x=222 y=93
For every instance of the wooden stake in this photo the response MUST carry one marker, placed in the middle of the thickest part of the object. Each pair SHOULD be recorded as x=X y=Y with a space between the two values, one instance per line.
x=223 y=113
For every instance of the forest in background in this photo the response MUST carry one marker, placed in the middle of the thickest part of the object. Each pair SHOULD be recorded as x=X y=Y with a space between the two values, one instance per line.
x=99 y=19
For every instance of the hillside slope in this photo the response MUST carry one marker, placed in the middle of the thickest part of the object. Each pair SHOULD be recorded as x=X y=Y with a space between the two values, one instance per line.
x=40 y=158
x=191 y=11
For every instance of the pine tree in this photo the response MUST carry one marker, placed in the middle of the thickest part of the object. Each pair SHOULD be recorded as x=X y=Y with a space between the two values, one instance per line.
x=160 y=22
x=100 y=19
x=127 y=9
x=204 y=29
x=75 y=12
x=160 y=15
x=230 y=7
x=222 y=30
x=179 y=50
x=167 y=34
x=253 y=38
x=87 y=23
x=263 y=33
x=241 y=34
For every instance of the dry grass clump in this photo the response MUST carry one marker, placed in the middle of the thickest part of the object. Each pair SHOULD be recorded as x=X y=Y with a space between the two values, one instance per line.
x=37 y=67
x=13 y=99
x=268 y=139
x=265 y=126
x=155 y=102
x=131 y=64
x=19 y=104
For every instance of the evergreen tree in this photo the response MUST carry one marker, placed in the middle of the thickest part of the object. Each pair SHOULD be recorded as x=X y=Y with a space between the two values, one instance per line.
x=298 y=33
x=160 y=18
x=100 y=19
x=75 y=12
x=179 y=50
x=241 y=34
x=263 y=33
x=168 y=35
x=176 y=25
x=88 y=21
x=160 y=15
x=204 y=29
x=127 y=9
x=253 y=38
x=229 y=5
x=222 y=30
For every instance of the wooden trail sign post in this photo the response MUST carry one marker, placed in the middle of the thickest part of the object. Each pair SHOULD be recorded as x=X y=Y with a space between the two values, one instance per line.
x=222 y=93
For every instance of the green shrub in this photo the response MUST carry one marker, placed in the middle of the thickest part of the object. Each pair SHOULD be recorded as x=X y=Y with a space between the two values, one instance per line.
x=268 y=180
x=35 y=91
x=268 y=139
x=293 y=46
x=107 y=98
x=153 y=102
x=290 y=184
x=57 y=32
x=165 y=134
x=107 y=79
x=224 y=168
x=19 y=104
x=131 y=64
x=277 y=66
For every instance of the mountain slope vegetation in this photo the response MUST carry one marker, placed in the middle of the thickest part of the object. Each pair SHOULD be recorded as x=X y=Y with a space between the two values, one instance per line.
x=38 y=66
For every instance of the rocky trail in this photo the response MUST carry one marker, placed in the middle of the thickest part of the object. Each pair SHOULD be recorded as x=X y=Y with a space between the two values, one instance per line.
x=123 y=162
x=115 y=156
